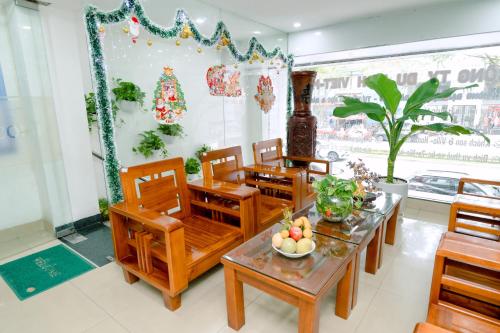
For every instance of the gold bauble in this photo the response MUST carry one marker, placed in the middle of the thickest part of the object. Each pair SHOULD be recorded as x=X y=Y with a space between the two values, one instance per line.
x=250 y=62
x=225 y=41
x=177 y=42
x=125 y=30
x=199 y=50
x=186 y=32
x=149 y=42
x=218 y=47
x=255 y=56
x=101 y=29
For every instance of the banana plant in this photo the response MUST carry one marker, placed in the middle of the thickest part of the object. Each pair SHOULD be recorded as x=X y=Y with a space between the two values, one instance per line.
x=393 y=123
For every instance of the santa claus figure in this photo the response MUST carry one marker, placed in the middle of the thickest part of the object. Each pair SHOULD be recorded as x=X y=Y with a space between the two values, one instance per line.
x=134 y=28
x=161 y=111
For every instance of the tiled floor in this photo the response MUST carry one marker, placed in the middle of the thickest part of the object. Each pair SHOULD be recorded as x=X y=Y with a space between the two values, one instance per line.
x=393 y=300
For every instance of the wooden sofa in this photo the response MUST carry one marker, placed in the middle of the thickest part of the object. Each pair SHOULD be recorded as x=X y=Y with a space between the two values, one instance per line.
x=227 y=165
x=160 y=236
x=474 y=214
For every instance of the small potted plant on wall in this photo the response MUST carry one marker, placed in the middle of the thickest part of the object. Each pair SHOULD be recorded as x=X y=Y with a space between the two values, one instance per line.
x=149 y=144
x=193 y=168
x=392 y=122
x=171 y=131
x=127 y=92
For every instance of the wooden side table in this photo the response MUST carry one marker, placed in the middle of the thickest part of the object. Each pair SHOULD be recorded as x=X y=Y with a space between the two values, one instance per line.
x=300 y=282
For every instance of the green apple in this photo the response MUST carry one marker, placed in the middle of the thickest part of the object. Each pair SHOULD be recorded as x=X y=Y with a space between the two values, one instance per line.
x=304 y=245
x=288 y=245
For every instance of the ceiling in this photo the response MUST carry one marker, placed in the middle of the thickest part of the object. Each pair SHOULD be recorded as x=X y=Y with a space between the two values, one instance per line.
x=282 y=14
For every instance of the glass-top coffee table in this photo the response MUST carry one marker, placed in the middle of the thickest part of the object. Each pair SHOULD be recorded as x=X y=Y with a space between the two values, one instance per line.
x=362 y=228
x=301 y=282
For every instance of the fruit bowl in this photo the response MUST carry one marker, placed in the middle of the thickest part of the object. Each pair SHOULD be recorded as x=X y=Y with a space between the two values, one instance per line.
x=296 y=255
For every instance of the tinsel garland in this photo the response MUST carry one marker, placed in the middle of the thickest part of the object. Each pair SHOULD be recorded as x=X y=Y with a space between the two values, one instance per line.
x=94 y=18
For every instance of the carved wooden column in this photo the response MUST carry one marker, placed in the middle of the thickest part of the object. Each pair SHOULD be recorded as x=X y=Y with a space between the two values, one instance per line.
x=302 y=124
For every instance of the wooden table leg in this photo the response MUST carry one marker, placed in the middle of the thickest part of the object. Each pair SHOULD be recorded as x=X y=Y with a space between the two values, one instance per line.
x=309 y=316
x=356 y=279
x=381 y=252
x=373 y=252
x=343 y=304
x=234 y=299
x=390 y=235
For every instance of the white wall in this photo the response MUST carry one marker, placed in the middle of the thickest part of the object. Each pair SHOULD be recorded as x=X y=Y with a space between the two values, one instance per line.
x=439 y=21
x=60 y=28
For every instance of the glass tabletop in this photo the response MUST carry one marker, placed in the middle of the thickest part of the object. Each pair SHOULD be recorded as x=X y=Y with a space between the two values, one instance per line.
x=354 y=229
x=383 y=204
x=309 y=273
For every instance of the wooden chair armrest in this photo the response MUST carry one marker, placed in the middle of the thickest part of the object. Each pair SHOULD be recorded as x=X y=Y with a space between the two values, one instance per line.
x=148 y=217
x=465 y=180
x=224 y=189
x=327 y=163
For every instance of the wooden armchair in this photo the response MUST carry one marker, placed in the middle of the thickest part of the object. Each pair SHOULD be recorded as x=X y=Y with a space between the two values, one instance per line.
x=156 y=235
x=227 y=165
x=270 y=152
x=474 y=214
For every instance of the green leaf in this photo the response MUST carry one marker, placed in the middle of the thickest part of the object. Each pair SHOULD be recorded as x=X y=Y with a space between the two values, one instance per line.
x=425 y=91
x=447 y=128
x=387 y=89
x=354 y=106
x=415 y=113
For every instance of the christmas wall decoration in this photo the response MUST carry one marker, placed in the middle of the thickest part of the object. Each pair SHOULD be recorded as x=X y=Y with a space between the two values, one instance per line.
x=133 y=29
x=168 y=103
x=265 y=96
x=94 y=18
x=223 y=81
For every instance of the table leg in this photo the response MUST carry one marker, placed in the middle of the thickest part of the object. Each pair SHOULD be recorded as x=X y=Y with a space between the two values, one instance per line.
x=373 y=251
x=356 y=280
x=309 y=316
x=391 y=226
x=381 y=252
x=343 y=304
x=234 y=299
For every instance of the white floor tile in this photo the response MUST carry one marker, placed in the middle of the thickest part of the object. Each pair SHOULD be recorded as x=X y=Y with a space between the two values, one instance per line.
x=107 y=326
x=61 y=309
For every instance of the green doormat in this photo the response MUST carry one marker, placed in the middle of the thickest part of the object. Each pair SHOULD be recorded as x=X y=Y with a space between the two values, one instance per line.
x=43 y=270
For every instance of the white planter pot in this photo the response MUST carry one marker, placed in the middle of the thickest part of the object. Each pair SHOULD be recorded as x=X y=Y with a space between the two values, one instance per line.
x=129 y=107
x=400 y=187
x=191 y=177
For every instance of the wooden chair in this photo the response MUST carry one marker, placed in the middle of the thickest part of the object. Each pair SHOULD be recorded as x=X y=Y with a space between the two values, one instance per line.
x=465 y=290
x=227 y=165
x=474 y=214
x=270 y=152
x=429 y=328
x=158 y=237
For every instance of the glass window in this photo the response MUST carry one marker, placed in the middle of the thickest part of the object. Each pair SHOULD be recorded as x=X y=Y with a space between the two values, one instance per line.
x=432 y=162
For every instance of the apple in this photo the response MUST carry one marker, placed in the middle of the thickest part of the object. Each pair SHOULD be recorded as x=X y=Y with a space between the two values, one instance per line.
x=296 y=233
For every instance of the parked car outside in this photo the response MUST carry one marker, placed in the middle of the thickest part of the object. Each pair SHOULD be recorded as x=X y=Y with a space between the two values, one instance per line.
x=446 y=183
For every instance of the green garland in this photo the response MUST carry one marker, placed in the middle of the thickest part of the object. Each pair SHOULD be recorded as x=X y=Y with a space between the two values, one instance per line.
x=94 y=17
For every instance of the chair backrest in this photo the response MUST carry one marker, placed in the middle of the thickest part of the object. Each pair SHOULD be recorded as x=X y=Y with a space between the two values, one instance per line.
x=224 y=164
x=159 y=186
x=268 y=152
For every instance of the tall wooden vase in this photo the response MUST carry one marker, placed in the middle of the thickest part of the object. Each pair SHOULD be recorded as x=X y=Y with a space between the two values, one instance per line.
x=302 y=124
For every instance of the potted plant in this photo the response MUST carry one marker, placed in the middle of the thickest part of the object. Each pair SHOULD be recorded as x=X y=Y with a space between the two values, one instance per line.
x=393 y=122
x=128 y=92
x=171 y=130
x=334 y=197
x=192 y=167
x=202 y=150
x=90 y=106
x=150 y=143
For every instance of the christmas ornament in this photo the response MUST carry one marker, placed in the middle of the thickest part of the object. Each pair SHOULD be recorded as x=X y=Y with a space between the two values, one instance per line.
x=215 y=80
x=149 y=42
x=177 y=42
x=265 y=96
x=199 y=50
x=125 y=30
x=223 y=81
x=186 y=32
x=218 y=47
x=102 y=33
x=134 y=25
x=169 y=104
